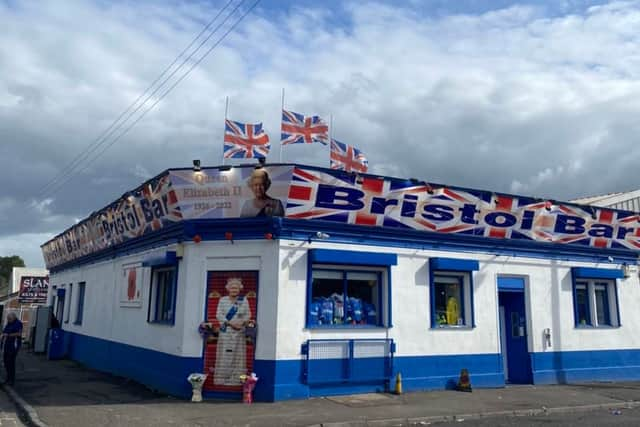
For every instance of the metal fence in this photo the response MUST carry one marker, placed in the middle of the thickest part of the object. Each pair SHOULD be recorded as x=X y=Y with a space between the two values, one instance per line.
x=348 y=360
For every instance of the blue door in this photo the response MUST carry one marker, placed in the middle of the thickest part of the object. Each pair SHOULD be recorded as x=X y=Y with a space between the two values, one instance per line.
x=513 y=333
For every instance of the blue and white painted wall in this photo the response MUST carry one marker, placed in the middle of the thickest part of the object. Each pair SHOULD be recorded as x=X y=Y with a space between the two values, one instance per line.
x=120 y=337
x=431 y=357
x=116 y=336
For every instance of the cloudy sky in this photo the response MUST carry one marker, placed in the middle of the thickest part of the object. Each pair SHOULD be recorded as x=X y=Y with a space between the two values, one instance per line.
x=535 y=98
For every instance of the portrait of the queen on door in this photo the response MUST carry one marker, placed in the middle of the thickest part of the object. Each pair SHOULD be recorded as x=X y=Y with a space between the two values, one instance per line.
x=231 y=315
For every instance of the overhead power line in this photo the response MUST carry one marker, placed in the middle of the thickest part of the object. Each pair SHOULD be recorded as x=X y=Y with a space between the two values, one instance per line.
x=68 y=169
x=81 y=160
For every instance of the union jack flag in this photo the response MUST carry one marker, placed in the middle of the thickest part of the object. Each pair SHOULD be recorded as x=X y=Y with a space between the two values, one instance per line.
x=299 y=129
x=243 y=140
x=347 y=157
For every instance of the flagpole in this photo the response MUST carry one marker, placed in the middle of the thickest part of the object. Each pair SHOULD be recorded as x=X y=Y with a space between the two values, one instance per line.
x=226 y=111
x=330 y=136
x=281 y=110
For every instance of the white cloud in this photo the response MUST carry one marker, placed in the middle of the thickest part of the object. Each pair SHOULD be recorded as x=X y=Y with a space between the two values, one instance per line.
x=141 y=172
x=42 y=206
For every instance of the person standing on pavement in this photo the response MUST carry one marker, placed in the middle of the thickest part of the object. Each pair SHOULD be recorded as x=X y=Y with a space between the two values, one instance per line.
x=11 y=341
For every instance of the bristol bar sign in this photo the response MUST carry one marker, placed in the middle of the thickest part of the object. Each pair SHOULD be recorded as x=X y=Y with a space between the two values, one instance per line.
x=417 y=205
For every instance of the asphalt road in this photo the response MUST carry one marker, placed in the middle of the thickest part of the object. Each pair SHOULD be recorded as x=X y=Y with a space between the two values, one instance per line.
x=595 y=418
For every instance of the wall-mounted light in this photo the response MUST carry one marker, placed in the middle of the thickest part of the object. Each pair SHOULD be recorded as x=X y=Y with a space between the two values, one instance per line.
x=626 y=271
x=196 y=165
x=417 y=182
x=319 y=235
x=179 y=250
x=129 y=197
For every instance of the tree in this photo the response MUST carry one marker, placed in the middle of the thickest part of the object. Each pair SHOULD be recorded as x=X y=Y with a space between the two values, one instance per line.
x=6 y=266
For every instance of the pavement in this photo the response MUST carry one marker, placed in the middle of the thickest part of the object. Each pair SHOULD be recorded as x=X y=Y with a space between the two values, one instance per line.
x=8 y=412
x=64 y=393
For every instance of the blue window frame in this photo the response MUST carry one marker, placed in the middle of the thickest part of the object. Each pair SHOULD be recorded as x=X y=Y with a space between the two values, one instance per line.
x=594 y=303
x=451 y=292
x=80 y=306
x=349 y=289
x=595 y=297
x=162 y=298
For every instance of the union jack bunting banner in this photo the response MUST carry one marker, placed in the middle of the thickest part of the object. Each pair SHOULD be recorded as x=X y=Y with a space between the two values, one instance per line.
x=348 y=198
x=243 y=140
x=299 y=129
x=347 y=157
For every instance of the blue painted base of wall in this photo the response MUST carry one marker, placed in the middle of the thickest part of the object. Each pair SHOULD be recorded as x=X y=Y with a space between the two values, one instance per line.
x=279 y=380
x=285 y=379
x=443 y=372
x=584 y=366
x=159 y=371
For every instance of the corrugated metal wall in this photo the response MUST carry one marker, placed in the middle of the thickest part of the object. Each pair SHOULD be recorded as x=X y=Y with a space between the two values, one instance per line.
x=627 y=205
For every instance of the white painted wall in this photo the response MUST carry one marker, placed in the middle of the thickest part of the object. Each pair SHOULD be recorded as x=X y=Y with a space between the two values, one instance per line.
x=548 y=294
x=103 y=317
x=282 y=291
x=260 y=255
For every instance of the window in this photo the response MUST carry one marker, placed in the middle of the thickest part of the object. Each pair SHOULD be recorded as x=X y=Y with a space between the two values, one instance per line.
x=68 y=307
x=582 y=304
x=595 y=297
x=60 y=305
x=595 y=301
x=162 y=300
x=451 y=292
x=602 y=303
x=448 y=300
x=80 y=306
x=349 y=288
x=450 y=295
x=345 y=297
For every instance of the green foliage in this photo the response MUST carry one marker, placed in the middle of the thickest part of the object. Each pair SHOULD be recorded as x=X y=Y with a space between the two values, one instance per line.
x=6 y=265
